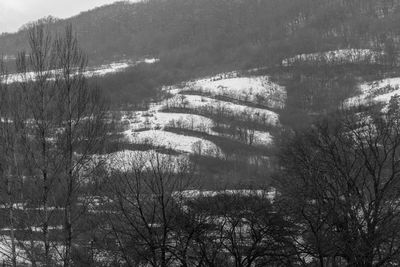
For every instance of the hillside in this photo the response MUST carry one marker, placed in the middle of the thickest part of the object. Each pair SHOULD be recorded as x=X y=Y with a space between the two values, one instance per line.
x=227 y=120
x=267 y=63
x=236 y=34
x=203 y=133
x=200 y=38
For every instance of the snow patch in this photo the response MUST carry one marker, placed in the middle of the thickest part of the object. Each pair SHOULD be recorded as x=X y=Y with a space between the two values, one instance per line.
x=193 y=194
x=173 y=141
x=102 y=70
x=195 y=101
x=128 y=160
x=159 y=120
x=151 y=60
x=258 y=90
x=336 y=57
x=375 y=91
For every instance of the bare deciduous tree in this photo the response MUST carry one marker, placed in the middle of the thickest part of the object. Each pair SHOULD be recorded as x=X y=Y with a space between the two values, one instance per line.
x=63 y=127
x=8 y=154
x=39 y=100
x=146 y=208
x=341 y=179
x=82 y=128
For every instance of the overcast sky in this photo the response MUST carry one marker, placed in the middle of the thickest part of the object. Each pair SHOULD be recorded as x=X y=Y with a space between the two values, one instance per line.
x=15 y=13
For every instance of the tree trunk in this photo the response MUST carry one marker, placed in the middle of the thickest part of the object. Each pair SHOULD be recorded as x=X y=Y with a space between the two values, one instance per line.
x=11 y=217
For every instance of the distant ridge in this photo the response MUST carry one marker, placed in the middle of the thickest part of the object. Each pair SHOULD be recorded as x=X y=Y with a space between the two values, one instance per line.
x=236 y=33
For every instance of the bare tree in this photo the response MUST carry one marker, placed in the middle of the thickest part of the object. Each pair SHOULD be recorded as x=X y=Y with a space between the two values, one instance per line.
x=63 y=127
x=242 y=228
x=39 y=97
x=342 y=180
x=8 y=147
x=82 y=131
x=146 y=208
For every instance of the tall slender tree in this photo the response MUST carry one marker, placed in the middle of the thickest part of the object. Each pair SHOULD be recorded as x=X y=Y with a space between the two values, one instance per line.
x=82 y=129
x=63 y=129
x=37 y=87
x=8 y=147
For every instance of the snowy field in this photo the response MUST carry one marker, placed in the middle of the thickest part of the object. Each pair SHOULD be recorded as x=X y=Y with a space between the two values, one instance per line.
x=187 y=195
x=177 y=142
x=376 y=91
x=23 y=247
x=141 y=121
x=127 y=160
x=196 y=101
x=257 y=90
x=262 y=138
x=91 y=72
x=153 y=120
x=193 y=194
x=147 y=127
x=118 y=67
x=6 y=252
x=336 y=57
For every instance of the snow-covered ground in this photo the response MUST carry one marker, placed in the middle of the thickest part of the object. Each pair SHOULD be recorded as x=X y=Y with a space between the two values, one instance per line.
x=25 y=247
x=258 y=90
x=177 y=142
x=159 y=120
x=26 y=207
x=33 y=228
x=336 y=57
x=183 y=196
x=262 y=138
x=149 y=60
x=91 y=72
x=196 y=101
x=118 y=67
x=22 y=249
x=109 y=68
x=6 y=252
x=376 y=91
x=147 y=127
x=127 y=160
x=153 y=120
x=192 y=194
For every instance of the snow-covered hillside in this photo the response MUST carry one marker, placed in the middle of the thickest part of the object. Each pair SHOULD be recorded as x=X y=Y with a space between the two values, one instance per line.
x=202 y=109
x=376 y=91
x=335 y=57
x=153 y=120
x=102 y=70
x=196 y=101
x=127 y=160
x=193 y=113
x=181 y=143
x=258 y=90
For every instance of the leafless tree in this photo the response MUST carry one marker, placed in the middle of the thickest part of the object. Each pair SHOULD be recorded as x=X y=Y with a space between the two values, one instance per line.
x=147 y=208
x=8 y=152
x=39 y=101
x=342 y=180
x=243 y=229
x=82 y=131
x=63 y=127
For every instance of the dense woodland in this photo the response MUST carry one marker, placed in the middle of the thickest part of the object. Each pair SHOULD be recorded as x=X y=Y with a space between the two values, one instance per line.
x=201 y=34
x=325 y=194
x=194 y=38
